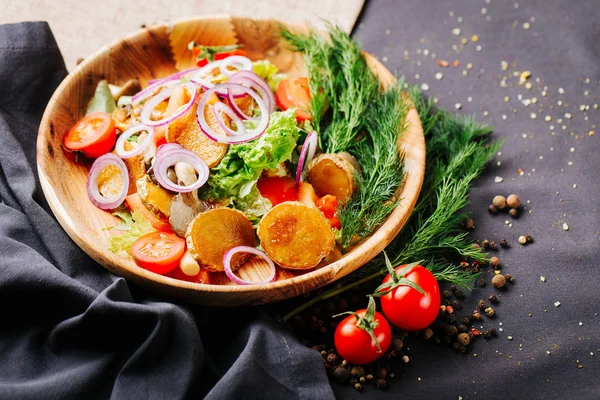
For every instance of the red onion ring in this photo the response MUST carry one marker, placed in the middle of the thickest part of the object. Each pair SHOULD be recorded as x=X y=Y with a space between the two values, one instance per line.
x=120 y=146
x=162 y=96
x=149 y=91
x=306 y=154
x=171 y=156
x=239 y=62
x=250 y=79
x=168 y=147
x=250 y=134
x=222 y=107
x=246 y=249
x=175 y=76
x=112 y=202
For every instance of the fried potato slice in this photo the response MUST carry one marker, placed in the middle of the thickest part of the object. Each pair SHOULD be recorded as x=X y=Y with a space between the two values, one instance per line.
x=295 y=236
x=214 y=232
x=333 y=174
x=186 y=131
x=154 y=196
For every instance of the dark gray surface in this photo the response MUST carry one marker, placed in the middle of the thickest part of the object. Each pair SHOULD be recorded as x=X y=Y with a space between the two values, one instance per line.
x=69 y=329
x=561 y=49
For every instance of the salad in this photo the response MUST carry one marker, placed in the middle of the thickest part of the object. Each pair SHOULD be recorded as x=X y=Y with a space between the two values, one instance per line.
x=212 y=165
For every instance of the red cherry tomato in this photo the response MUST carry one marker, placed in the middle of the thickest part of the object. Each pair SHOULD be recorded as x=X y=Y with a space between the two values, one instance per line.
x=278 y=189
x=355 y=345
x=294 y=93
x=158 y=252
x=406 y=307
x=328 y=205
x=94 y=135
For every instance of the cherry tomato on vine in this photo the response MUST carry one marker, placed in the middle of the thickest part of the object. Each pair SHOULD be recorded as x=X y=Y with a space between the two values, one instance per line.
x=410 y=297
x=355 y=336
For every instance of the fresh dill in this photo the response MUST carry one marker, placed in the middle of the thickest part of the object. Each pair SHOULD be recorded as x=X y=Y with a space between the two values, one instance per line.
x=351 y=112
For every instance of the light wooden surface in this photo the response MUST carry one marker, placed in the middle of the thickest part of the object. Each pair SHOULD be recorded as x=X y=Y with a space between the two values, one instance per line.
x=82 y=26
x=147 y=55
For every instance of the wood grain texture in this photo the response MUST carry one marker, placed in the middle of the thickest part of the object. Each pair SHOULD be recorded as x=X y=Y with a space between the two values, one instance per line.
x=146 y=55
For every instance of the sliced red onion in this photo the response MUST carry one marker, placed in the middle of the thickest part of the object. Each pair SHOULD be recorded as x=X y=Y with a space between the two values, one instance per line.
x=112 y=202
x=162 y=96
x=168 y=147
x=149 y=91
x=250 y=134
x=175 y=76
x=168 y=158
x=250 y=79
x=120 y=146
x=246 y=249
x=238 y=62
x=306 y=154
x=219 y=108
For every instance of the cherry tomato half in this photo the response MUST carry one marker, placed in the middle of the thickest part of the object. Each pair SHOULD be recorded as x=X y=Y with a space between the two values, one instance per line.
x=406 y=307
x=294 y=93
x=158 y=252
x=355 y=345
x=94 y=135
x=278 y=189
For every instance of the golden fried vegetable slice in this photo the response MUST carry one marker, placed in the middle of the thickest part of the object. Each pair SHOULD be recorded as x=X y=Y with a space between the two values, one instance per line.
x=333 y=174
x=186 y=131
x=110 y=181
x=295 y=236
x=214 y=232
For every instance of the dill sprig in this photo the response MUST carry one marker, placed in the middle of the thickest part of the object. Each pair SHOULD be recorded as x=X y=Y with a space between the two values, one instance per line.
x=352 y=112
x=457 y=150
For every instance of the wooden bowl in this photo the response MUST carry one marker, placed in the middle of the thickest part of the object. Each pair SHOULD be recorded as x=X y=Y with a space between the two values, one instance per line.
x=159 y=51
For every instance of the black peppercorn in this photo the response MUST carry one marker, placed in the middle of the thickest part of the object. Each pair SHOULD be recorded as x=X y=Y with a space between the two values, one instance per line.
x=451 y=330
x=504 y=244
x=466 y=320
x=381 y=383
x=333 y=359
x=455 y=345
x=493 y=331
x=446 y=294
x=397 y=345
x=493 y=245
x=341 y=375
x=528 y=238
x=462 y=349
x=451 y=319
x=513 y=212
x=381 y=373
x=453 y=288
x=353 y=381
x=494 y=262
x=481 y=282
x=492 y=209
x=476 y=316
x=462 y=328
x=357 y=371
x=509 y=278
x=427 y=334
x=481 y=305
x=456 y=305
x=486 y=334
x=469 y=223
x=485 y=244
x=446 y=302
x=493 y=299
x=436 y=340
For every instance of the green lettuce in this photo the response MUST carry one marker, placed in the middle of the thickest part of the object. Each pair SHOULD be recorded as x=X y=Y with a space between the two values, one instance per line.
x=268 y=71
x=236 y=175
x=133 y=226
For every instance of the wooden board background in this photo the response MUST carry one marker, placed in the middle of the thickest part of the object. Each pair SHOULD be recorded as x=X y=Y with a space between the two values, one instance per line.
x=81 y=26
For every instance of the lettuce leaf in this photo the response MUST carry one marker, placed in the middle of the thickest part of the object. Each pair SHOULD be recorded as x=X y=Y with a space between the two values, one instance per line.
x=269 y=72
x=102 y=100
x=236 y=175
x=138 y=226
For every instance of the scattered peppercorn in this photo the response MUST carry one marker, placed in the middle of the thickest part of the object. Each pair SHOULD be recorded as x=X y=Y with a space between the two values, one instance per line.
x=381 y=383
x=357 y=371
x=489 y=312
x=462 y=328
x=494 y=262
x=397 y=345
x=513 y=201
x=462 y=349
x=492 y=209
x=498 y=281
x=456 y=345
x=481 y=282
x=363 y=379
x=341 y=375
x=405 y=359
x=456 y=305
x=475 y=245
x=427 y=333
x=513 y=212
x=486 y=334
x=528 y=238
x=522 y=239
x=493 y=331
x=464 y=264
x=493 y=246
x=509 y=278
x=464 y=339
x=450 y=310
x=333 y=359
x=493 y=299
x=485 y=244
x=381 y=373
x=476 y=316
x=466 y=320
x=369 y=377
x=459 y=294
x=469 y=223
x=446 y=294
x=504 y=244
x=358 y=387
x=499 y=202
